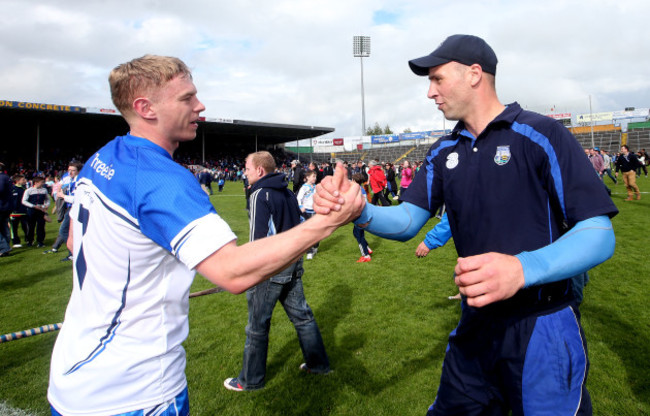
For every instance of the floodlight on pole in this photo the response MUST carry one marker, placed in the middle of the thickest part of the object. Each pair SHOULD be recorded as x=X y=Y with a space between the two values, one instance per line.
x=362 y=50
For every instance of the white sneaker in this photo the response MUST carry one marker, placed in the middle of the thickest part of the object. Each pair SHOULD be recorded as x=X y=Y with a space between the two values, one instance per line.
x=310 y=256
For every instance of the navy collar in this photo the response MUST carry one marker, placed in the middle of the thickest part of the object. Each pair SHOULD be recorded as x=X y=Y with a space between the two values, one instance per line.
x=507 y=116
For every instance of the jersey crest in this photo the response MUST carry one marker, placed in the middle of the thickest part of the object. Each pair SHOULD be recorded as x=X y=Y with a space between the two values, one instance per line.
x=502 y=156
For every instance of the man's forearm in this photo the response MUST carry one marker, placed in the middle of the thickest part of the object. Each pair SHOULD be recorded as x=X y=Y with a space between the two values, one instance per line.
x=566 y=257
x=398 y=222
x=236 y=268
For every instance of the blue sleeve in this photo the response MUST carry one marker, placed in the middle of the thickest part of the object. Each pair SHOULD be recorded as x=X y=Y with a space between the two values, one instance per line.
x=164 y=204
x=566 y=257
x=398 y=222
x=439 y=235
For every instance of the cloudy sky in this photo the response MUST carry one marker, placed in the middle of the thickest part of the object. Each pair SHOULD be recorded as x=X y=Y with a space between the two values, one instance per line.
x=290 y=61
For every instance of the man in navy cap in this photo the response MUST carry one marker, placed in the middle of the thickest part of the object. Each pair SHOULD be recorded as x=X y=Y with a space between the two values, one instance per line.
x=527 y=215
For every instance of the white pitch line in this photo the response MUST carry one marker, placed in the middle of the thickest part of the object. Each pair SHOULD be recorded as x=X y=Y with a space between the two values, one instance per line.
x=6 y=410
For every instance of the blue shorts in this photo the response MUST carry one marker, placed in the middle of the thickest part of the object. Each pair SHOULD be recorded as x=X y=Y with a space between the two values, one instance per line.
x=526 y=355
x=178 y=406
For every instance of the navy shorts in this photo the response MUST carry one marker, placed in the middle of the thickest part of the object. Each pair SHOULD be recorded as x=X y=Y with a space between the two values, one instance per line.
x=526 y=355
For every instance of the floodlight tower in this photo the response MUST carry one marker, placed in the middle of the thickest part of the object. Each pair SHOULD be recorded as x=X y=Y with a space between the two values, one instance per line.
x=362 y=50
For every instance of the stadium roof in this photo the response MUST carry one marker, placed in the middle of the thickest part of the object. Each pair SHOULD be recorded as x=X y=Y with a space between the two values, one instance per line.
x=59 y=129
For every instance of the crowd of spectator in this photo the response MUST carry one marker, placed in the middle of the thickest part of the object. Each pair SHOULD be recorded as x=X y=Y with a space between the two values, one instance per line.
x=383 y=181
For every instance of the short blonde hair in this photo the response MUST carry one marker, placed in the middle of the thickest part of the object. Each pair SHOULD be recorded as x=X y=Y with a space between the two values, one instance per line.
x=140 y=76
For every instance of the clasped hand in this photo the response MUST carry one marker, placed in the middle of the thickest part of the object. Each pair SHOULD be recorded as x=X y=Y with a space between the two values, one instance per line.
x=488 y=278
x=337 y=196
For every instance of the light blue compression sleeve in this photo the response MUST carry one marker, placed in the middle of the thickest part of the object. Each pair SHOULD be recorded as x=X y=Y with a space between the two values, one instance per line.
x=586 y=245
x=398 y=222
x=439 y=235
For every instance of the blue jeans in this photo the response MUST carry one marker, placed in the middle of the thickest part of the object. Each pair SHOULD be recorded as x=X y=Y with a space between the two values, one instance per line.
x=609 y=173
x=64 y=230
x=5 y=236
x=261 y=300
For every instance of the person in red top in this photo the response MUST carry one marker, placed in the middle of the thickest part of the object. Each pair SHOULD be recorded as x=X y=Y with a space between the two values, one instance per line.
x=377 y=180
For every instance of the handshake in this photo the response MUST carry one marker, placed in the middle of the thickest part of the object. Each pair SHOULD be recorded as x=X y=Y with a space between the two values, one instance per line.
x=339 y=198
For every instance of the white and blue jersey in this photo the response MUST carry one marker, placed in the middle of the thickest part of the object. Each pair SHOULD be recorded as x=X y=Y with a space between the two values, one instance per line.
x=141 y=224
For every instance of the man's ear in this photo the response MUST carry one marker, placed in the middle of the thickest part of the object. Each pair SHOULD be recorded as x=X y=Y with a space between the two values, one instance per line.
x=144 y=108
x=476 y=73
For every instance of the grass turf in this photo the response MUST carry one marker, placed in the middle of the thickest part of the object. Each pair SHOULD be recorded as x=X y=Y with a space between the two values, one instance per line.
x=384 y=323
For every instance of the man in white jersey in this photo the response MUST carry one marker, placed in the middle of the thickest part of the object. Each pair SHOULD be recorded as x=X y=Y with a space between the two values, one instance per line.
x=140 y=228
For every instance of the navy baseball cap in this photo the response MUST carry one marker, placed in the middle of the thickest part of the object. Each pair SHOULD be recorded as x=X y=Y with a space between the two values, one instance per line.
x=465 y=49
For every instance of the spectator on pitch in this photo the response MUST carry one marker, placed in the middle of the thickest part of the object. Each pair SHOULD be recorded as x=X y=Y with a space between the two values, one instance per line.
x=274 y=209
x=391 y=185
x=361 y=168
x=327 y=169
x=377 y=180
x=220 y=181
x=607 y=161
x=305 y=199
x=358 y=232
x=313 y=166
x=57 y=207
x=18 y=216
x=205 y=179
x=646 y=159
x=643 y=162
x=406 y=178
x=597 y=161
x=628 y=163
x=298 y=177
x=37 y=201
x=66 y=193
x=6 y=203
x=137 y=249
x=508 y=178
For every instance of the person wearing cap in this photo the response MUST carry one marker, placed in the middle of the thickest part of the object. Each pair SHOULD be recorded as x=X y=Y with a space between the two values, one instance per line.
x=524 y=209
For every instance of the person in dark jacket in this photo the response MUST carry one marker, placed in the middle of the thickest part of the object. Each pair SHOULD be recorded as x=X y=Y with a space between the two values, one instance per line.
x=37 y=200
x=627 y=163
x=274 y=209
x=19 y=212
x=391 y=184
x=5 y=209
x=298 y=175
x=327 y=169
